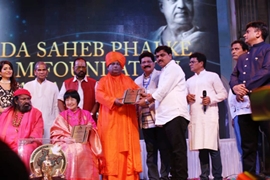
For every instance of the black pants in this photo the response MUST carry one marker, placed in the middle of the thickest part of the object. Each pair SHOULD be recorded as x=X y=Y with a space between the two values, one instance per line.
x=175 y=131
x=216 y=164
x=249 y=131
x=155 y=140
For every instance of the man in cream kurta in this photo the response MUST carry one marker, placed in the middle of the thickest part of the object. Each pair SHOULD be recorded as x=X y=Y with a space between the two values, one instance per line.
x=204 y=127
x=44 y=96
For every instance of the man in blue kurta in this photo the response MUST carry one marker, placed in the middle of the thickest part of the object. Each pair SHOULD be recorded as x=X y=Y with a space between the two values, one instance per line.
x=252 y=71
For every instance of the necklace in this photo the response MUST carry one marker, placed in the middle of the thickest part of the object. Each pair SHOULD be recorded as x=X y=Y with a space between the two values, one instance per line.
x=17 y=120
x=5 y=82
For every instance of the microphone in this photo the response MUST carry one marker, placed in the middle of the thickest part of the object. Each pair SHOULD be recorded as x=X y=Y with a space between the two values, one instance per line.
x=204 y=95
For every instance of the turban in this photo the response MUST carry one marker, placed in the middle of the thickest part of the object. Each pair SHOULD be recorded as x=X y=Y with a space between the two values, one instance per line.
x=19 y=92
x=115 y=56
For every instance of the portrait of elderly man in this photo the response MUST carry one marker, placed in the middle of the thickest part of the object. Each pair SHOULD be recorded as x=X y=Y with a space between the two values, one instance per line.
x=20 y=121
x=187 y=26
x=117 y=123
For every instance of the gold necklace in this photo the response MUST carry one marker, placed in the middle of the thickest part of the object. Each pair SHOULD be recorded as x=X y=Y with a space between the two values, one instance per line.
x=17 y=121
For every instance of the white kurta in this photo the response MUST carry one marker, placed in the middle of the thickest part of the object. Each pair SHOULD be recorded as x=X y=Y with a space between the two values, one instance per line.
x=44 y=98
x=204 y=126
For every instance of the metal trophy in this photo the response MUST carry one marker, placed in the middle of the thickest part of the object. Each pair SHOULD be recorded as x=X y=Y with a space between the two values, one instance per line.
x=48 y=162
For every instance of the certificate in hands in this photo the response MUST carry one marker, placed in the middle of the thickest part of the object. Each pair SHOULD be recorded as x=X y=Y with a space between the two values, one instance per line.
x=131 y=96
x=81 y=133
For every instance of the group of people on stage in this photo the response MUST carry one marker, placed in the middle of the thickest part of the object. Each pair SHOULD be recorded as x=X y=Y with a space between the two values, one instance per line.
x=169 y=105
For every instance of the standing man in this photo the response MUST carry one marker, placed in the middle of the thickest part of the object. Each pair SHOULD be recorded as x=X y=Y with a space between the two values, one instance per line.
x=117 y=123
x=205 y=90
x=252 y=71
x=171 y=110
x=154 y=137
x=44 y=96
x=84 y=85
x=236 y=108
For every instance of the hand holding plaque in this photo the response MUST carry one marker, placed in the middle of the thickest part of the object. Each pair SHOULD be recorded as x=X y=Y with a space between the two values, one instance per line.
x=131 y=96
x=81 y=133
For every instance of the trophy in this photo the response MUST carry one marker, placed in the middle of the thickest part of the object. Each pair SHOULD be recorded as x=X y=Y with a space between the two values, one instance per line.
x=48 y=162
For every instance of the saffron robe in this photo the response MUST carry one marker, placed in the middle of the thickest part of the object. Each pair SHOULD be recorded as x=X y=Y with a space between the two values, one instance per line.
x=82 y=162
x=31 y=127
x=118 y=126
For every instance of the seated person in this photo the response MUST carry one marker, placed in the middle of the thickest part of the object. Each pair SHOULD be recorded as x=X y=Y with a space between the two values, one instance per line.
x=82 y=158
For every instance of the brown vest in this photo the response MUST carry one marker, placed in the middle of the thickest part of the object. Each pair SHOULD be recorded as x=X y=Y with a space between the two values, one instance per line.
x=88 y=91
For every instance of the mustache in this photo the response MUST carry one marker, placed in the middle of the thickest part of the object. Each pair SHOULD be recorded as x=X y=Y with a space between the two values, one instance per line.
x=146 y=67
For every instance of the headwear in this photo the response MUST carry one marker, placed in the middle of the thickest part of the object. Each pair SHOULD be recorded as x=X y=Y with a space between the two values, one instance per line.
x=19 y=92
x=115 y=56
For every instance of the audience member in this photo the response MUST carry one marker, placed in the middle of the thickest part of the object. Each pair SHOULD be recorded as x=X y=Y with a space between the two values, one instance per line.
x=205 y=90
x=117 y=123
x=11 y=166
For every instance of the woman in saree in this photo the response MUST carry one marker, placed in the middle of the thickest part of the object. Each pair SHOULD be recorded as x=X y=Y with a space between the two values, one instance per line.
x=82 y=158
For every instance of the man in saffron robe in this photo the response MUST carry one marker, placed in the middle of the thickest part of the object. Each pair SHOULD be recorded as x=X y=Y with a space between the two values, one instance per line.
x=117 y=123
x=20 y=121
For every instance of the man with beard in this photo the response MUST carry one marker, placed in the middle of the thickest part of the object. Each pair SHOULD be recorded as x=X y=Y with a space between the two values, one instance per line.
x=84 y=85
x=154 y=137
x=44 y=96
x=20 y=121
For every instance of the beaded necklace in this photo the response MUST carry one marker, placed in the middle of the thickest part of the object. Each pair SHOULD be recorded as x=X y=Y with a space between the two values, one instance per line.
x=16 y=122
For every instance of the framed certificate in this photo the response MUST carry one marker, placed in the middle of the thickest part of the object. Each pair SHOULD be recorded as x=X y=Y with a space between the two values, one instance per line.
x=131 y=96
x=81 y=133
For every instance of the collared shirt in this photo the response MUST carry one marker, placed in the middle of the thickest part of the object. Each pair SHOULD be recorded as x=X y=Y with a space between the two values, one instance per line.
x=147 y=114
x=170 y=96
x=80 y=91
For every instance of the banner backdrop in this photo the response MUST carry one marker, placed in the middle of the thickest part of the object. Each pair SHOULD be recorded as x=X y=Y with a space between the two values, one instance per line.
x=59 y=31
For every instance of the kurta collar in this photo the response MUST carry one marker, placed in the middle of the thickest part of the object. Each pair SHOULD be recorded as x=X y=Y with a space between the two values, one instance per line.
x=42 y=82
x=84 y=79
x=201 y=73
x=259 y=44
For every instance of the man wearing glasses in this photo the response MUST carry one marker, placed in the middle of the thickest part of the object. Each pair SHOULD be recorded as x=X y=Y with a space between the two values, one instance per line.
x=84 y=85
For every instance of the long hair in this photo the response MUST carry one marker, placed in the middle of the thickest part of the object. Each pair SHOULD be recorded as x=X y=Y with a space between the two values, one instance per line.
x=13 y=82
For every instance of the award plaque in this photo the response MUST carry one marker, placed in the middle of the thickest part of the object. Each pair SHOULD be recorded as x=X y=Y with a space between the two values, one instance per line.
x=81 y=133
x=48 y=162
x=131 y=96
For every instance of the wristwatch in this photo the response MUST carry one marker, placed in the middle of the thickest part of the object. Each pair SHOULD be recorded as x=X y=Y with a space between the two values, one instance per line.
x=146 y=102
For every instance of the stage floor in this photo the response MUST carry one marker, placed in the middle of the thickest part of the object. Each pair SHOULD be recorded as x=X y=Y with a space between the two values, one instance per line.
x=230 y=157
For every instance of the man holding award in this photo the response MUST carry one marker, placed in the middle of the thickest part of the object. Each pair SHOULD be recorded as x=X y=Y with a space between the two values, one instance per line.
x=117 y=121
x=171 y=110
x=154 y=137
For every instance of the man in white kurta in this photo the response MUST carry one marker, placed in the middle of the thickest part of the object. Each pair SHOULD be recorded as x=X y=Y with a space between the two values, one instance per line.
x=44 y=96
x=204 y=119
